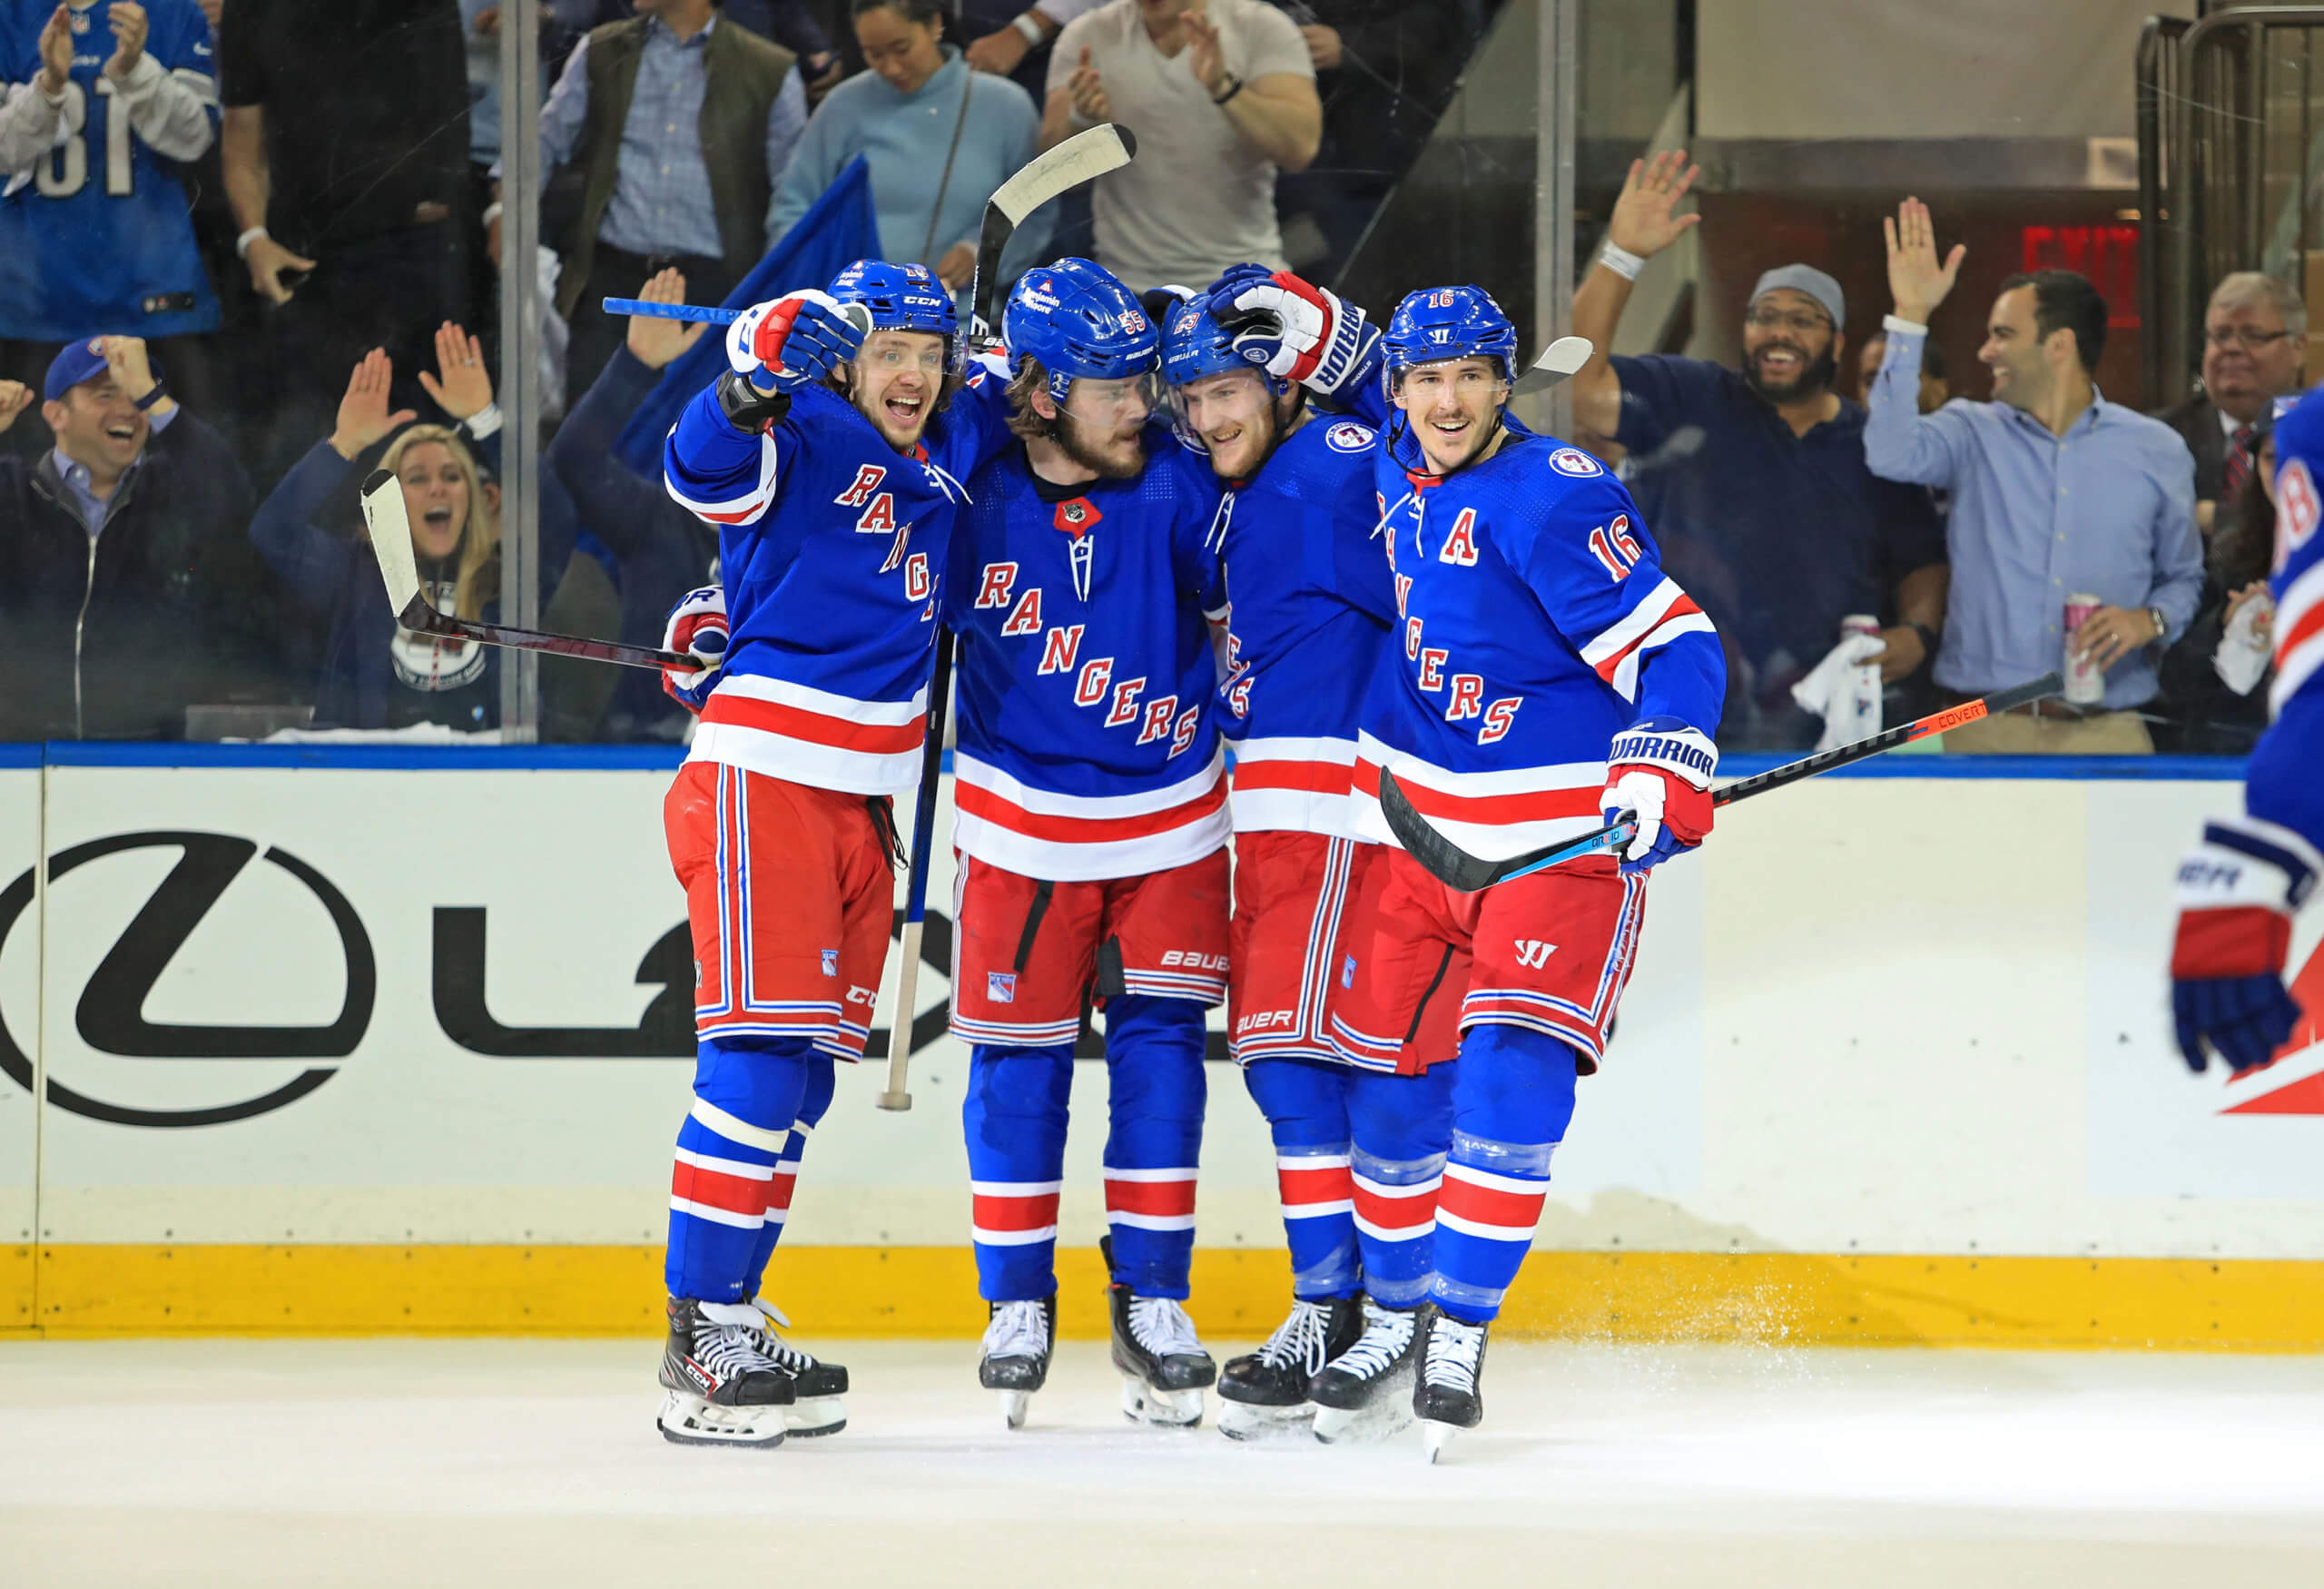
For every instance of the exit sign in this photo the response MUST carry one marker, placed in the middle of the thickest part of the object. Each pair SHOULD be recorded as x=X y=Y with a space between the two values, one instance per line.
x=2108 y=256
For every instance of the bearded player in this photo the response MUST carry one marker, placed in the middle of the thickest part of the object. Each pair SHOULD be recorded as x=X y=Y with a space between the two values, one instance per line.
x=829 y=458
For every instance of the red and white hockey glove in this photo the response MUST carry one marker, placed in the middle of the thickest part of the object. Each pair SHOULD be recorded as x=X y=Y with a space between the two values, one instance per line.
x=2237 y=894
x=1660 y=772
x=784 y=343
x=697 y=624
x=1300 y=331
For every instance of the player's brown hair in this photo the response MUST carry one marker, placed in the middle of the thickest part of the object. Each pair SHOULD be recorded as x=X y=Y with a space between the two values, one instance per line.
x=1025 y=421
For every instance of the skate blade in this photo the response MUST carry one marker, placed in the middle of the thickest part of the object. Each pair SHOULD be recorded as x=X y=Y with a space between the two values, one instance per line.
x=1389 y=1415
x=1435 y=1436
x=1242 y=1421
x=1166 y=1410
x=1014 y=1405
x=816 y=1415
x=688 y=1420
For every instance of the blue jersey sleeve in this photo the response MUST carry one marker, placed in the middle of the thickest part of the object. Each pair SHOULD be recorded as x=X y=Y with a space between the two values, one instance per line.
x=1580 y=544
x=724 y=476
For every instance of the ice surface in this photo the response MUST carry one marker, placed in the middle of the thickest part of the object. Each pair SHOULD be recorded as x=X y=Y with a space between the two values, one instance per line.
x=423 y=1463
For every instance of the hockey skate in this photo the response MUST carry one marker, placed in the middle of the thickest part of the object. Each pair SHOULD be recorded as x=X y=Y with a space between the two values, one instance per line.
x=816 y=1386
x=721 y=1388
x=1016 y=1362
x=1267 y=1392
x=1448 y=1399
x=1163 y=1364
x=1360 y=1394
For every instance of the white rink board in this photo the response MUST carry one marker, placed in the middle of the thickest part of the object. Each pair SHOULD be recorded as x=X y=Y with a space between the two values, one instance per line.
x=19 y=843
x=1880 y=1014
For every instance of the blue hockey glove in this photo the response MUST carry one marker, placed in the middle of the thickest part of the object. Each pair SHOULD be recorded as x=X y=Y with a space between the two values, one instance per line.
x=2238 y=893
x=784 y=343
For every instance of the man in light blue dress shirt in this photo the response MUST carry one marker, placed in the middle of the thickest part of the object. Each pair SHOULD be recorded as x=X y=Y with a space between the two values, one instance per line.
x=2056 y=491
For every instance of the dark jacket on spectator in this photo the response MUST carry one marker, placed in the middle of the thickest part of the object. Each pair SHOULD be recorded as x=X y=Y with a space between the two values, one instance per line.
x=662 y=550
x=742 y=75
x=335 y=573
x=111 y=638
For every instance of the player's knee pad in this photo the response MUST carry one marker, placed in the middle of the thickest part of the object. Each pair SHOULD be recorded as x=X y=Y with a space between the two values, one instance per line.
x=758 y=1080
x=1514 y=1085
x=1021 y=1084
x=1156 y=1032
x=1304 y=1101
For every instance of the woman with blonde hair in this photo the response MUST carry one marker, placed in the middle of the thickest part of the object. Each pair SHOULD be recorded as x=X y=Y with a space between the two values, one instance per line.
x=375 y=674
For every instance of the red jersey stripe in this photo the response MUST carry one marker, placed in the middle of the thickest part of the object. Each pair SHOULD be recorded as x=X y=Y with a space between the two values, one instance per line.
x=816 y=727
x=975 y=801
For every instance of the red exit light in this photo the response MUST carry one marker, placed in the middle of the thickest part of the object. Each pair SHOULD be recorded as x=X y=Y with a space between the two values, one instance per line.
x=2108 y=256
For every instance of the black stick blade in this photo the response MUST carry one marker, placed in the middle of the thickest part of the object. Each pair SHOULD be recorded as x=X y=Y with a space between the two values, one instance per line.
x=1444 y=861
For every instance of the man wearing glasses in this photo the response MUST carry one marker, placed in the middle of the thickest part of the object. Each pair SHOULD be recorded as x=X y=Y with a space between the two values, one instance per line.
x=2255 y=333
x=1755 y=479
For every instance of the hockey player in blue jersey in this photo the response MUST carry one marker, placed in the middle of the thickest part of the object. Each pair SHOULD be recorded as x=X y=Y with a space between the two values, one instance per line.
x=2241 y=888
x=1091 y=827
x=1547 y=676
x=95 y=233
x=1310 y=611
x=830 y=462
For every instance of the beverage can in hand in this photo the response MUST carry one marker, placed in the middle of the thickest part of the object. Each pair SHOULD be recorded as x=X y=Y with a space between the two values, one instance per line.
x=2085 y=680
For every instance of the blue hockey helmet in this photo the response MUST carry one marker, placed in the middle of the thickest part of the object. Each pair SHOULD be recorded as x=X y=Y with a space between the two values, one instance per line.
x=1081 y=323
x=1438 y=323
x=1197 y=342
x=902 y=298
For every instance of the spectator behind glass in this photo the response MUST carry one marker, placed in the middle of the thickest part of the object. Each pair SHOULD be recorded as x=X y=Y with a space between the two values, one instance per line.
x=374 y=675
x=1937 y=391
x=1008 y=40
x=660 y=549
x=679 y=126
x=346 y=148
x=104 y=103
x=1221 y=93
x=2255 y=337
x=2056 y=491
x=126 y=592
x=1386 y=69
x=2215 y=678
x=1755 y=481
x=939 y=138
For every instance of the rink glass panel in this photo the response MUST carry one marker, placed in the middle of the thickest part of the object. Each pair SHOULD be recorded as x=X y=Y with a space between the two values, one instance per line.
x=19 y=1000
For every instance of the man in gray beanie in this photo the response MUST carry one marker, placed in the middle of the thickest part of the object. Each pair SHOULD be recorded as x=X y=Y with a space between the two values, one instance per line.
x=1754 y=480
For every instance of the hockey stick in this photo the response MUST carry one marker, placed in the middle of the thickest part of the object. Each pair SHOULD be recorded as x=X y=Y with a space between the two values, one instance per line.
x=390 y=527
x=717 y=317
x=1457 y=869
x=1084 y=157
x=1559 y=360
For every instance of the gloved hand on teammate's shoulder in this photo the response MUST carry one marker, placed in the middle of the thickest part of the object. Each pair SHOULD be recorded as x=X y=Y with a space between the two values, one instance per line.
x=781 y=345
x=1660 y=771
x=2238 y=893
x=697 y=626
x=1292 y=328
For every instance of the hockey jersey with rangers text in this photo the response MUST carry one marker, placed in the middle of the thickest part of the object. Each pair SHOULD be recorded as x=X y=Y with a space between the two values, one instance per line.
x=1534 y=624
x=831 y=548
x=2285 y=780
x=1087 y=746
x=1310 y=607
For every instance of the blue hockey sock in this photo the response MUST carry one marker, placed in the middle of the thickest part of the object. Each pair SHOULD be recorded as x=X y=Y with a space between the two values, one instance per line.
x=1305 y=1105
x=1511 y=1106
x=1154 y=1059
x=1402 y=1126
x=1014 y=1118
x=812 y=1106
x=746 y=1092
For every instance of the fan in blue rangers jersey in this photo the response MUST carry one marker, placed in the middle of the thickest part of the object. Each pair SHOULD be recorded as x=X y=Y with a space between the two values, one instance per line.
x=830 y=460
x=95 y=233
x=1092 y=828
x=1547 y=676
x=2241 y=888
x=1310 y=614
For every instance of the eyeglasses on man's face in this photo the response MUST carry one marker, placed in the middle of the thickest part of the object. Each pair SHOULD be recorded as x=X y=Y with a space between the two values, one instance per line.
x=1799 y=322
x=2248 y=338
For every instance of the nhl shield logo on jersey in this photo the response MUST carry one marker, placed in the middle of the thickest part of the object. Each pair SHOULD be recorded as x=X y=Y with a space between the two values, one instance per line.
x=1075 y=515
x=1347 y=435
x=1573 y=460
x=1001 y=987
x=830 y=963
